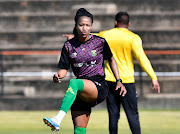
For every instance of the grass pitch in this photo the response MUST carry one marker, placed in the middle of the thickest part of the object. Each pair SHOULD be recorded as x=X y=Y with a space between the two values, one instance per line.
x=30 y=122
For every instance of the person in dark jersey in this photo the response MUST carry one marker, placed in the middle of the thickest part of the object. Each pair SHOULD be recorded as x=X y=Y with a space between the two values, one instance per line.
x=124 y=45
x=85 y=53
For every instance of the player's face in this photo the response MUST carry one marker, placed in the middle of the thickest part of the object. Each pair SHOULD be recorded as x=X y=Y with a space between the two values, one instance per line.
x=84 y=27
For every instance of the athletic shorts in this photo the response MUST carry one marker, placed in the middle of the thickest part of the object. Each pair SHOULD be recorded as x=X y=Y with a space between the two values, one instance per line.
x=103 y=89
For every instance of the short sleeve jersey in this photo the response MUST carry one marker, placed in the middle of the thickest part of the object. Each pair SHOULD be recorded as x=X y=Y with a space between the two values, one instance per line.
x=85 y=58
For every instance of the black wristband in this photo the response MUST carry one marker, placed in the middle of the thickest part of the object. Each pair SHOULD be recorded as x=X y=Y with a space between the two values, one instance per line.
x=119 y=80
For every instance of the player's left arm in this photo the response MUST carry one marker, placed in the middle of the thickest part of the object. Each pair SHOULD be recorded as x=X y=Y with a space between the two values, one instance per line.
x=144 y=62
x=115 y=71
x=107 y=54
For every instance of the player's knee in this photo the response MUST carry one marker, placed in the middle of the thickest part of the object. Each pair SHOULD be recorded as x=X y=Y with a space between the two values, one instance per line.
x=79 y=130
x=72 y=81
x=114 y=116
x=77 y=83
x=114 y=113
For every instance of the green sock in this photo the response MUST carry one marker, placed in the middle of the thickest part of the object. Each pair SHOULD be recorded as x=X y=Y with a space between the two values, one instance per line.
x=79 y=130
x=75 y=86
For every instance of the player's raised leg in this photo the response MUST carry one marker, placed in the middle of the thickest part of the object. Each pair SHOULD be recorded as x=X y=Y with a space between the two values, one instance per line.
x=86 y=90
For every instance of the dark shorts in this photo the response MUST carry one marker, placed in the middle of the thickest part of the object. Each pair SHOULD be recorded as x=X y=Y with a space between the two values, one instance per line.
x=103 y=89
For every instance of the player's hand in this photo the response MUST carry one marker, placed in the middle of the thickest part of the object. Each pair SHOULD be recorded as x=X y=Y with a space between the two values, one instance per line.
x=56 y=78
x=155 y=85
x=69 y=36
x=123 y=89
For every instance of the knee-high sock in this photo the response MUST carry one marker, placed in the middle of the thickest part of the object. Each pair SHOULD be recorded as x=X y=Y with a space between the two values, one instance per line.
x=75 y=86
x=79 y=130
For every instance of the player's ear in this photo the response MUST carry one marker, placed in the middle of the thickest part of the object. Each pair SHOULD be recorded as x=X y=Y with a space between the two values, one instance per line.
x=115 y=24
x=128 y=24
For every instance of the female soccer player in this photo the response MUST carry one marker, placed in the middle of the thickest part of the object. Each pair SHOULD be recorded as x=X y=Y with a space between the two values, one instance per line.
x=85 y=53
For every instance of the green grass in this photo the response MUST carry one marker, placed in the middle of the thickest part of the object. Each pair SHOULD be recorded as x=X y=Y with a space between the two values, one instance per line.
x=30 y=122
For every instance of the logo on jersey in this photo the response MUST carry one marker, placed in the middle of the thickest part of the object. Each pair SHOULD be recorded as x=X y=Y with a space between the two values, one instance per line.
x=74 y=55
x=97 y=83
x=78 y=64
x=85 y=64
x=83 y=49
x=93 y=63
x=93 y=53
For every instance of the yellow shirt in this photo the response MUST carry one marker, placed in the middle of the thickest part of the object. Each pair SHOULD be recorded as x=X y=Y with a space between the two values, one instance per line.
x=125 y=44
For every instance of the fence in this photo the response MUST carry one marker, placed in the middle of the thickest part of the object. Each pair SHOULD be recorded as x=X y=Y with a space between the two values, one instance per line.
x=41 y=52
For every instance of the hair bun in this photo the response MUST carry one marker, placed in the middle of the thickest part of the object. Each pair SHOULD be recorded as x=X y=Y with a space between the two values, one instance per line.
x=82 y=12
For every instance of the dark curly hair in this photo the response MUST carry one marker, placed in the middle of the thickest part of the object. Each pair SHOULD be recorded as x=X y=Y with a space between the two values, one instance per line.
x=80 y=13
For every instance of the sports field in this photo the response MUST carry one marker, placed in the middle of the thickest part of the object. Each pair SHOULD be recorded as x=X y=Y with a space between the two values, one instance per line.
x=30 y=122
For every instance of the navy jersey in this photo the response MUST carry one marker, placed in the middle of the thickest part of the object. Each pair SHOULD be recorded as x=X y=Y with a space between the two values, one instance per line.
x=85 y=58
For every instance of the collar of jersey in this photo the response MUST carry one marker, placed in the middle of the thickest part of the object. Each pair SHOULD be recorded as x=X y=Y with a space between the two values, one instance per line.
x=85 y=41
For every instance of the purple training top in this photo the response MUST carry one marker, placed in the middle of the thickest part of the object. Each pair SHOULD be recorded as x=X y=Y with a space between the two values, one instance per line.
x=86 y=58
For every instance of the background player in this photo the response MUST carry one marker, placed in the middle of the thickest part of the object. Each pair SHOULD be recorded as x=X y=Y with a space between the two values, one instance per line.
x=125 y=44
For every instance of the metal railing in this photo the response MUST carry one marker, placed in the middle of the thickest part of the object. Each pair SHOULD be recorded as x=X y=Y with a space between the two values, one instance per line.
x=141 y=74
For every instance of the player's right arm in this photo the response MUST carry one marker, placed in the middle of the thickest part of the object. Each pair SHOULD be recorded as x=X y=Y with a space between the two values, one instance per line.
x=63 y=65
x=59 y=75
x=68 y=36
x=101 y=33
